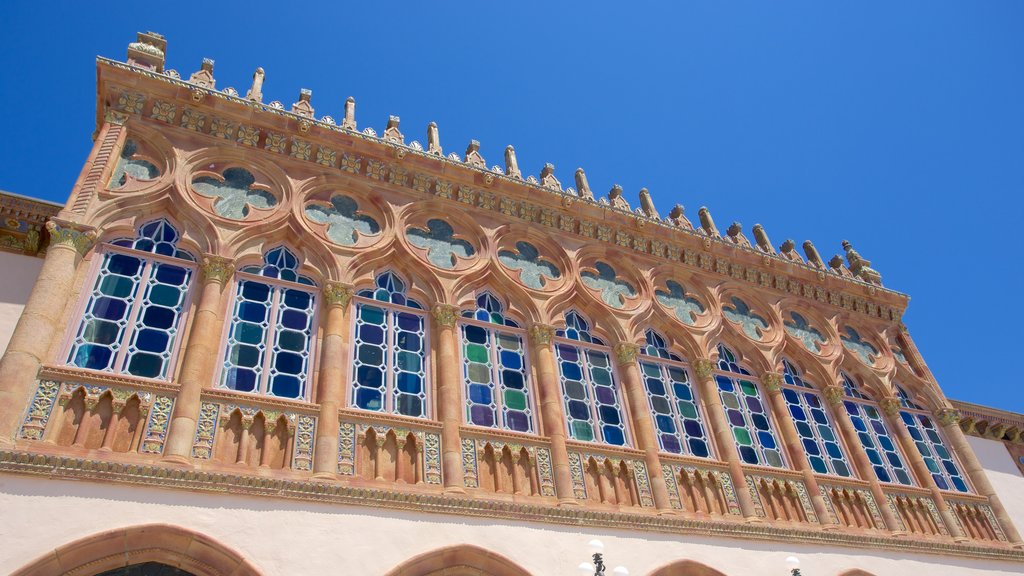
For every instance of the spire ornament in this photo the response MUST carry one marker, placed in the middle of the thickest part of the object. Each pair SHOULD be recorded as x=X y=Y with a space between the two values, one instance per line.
x=647 y=205
x=707 y=223
x=255 y=93
x=511 y=164
x=582 y=186
x=764 y=244
x=349 y=123
x=433 y=140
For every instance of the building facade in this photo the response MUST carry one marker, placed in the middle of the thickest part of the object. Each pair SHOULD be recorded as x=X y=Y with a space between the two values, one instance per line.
x=263 y=342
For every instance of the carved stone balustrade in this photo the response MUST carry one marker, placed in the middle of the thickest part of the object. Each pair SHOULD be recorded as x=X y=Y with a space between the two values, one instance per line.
x=699 y=486
x=607 y=475
x=500 y=463
x=388 y=448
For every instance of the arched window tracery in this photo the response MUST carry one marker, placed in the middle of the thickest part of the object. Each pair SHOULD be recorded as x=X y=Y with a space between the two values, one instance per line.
x=495 y=376
x=810 y=416
x=132 y=318
x=590 y=393
x=389 y=365
x=672 y=398
x=883 y=453
x=930 y=442
x=270 y=339
x=746 y=412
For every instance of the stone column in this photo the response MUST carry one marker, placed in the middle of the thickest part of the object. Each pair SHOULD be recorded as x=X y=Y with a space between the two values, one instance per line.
x=834 y=395
x=643 y=428
x=891 y=408
x=40 y=322
x=726 y=447
x=449 y=403
x=949 y=419
x=334 y=355
x=551 y=410
x=202 y=350
x=794 y=447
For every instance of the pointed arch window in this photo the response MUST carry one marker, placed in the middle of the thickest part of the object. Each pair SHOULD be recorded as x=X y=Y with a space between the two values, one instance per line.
x=270 y=339
x=883 y=453
x=590 y=394
x=132 y=316
x=820 y=442
x=930 y=442
x=746 y=412
x=389 y=364
x=494 y=368
x=678 y=417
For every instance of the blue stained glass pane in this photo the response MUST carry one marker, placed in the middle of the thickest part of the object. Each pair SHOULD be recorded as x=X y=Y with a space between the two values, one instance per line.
x=894 y=460
x=152 y=340
x=833 y=450
x=286 y=386
x=371 y=334
x=369 y=376
x=407 y=341
x=766 y=439
x=297 y=299
x=940 y=482
x=790 y=396
x=255 y=291
x=109 y=308
x=288 y=363
x=92 y=356
x=760 y=422
x=371 y=315
x=242 y=355
x=123 y=265
x=369 y=399
x=252 y=312
x=512 y=379
x=481 y=415
x=409 y=322
x=578 y=410
x=797 y=413
x=903 y=477
x=613 y=436
x=748 y=454
x=241 y=379
x=960 y=485
x=294 y=319
x=736 y=418
x=159 y=318
x=724 y=384
x=874 y=456
x=517 y=421
x=693 y=428
x=510 y=359
x=669 y=443
x=665 y=424
x=409 y=405
x=568 y=353
x=882 y=474
x=609 y=415
x=655 y=386
x=818 y=464
x=480 y=394
x=571 y=371
x=408 y=383
x=804 y=430
x=682 y=391
x=604 y=394
x=698 y=448
x=810 y=446
x=145 y=365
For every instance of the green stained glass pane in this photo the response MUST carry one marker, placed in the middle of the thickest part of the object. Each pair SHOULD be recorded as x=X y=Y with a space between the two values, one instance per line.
x=117 y=286
x=730 y=401
x=687 y=409
x=932 y=466
x=248 y=333
x=165 y=295
x=871 y=412
x=479 y=373
x=773 y=458
x=101 y=332
x=650 y=369
x=602 y=377
x=515 y=400
x=371 y=315
x=497 y=318
x=597 y=359
x=409 y=361
x=748 y=388
x=582 y=431
x=508 y=341
x=476 y=353
x=290 y=340
x=742 y=436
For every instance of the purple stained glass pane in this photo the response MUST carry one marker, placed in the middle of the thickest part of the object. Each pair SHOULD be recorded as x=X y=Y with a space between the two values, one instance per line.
x=735 y=417
x=754 y=404
x=517 y=421
x=568 y=353
x=481 y=415
x=605 y=395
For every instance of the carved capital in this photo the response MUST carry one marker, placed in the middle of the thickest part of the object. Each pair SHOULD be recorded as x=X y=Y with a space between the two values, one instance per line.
x=834 y=394
x=216 y=269
x=626 y=352
x=702 y=367
x=337 y=294
x=947 y=416
x=772 y=382
x=542 y=334
x=445 y=315
x=67 y=234
x=890 y=405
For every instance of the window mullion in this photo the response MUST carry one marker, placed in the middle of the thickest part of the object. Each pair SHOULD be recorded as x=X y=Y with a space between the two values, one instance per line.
x=133 y=314
x=390 y=340
x=499 y=417
x=268 y=341
x=592 y=395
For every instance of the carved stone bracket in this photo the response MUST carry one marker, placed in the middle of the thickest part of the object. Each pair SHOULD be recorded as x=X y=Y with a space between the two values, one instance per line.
x=772 y=382
x=890 y=405
x=702 y=368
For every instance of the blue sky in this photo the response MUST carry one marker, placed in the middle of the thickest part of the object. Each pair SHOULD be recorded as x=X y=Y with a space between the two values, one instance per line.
x=896 y=125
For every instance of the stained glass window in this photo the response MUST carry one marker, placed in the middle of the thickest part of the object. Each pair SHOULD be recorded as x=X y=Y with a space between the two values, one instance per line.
x=494 y=368
x=931 y=444
x=589 y=391
x=673 y=401
x=133 y=315
x=271 y=336
x=820 y=443
x=748 y=416
x=885 y=457
x=389 y=370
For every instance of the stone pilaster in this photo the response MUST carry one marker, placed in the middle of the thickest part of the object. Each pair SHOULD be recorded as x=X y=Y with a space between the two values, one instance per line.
x=552 y=412
x=334 y=353
x=449 y=404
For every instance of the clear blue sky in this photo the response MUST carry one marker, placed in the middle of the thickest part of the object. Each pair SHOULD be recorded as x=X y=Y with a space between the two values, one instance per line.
x=896 y=125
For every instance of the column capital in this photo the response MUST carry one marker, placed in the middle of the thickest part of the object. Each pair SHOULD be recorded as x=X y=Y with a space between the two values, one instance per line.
x=625 y=352
x=702 y=367
x=216 y=268
x=337 y=294
x=834 y=394
x=947 y=416
x=890 y=405
x=541 y=333
x=445 y=315
x=76 y=236
x=772 y=382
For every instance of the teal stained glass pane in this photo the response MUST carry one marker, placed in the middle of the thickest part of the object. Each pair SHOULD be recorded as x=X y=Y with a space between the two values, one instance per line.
x=582 y=430
x=515 y=400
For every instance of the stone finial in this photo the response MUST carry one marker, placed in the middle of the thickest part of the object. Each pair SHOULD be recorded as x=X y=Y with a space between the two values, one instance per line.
x=838 y=267
x=392 y=133
x=473 y=157
x=788 y=251
x=304 y=107
x=433 y=140
x=735 y=235
x=582 y=186
x=813 y=258
x=647 y=205
x=148 y=51
x=547 y=177
x=707 y=224
x=677 y=217
x=616 y=200
x=349 y=123
x=761 y=238
x=861 y=267
x=255 y=92
x=511 y=164
x=204 y=76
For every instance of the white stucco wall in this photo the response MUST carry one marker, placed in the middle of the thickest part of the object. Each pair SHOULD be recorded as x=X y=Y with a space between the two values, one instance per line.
x=1004 y=475
x=17 y=276
x=283 y=537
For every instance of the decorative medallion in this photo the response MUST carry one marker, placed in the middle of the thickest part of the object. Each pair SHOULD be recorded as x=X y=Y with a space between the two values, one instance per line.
x=343 y=220
x=614 y=290
x=234 y=193
x=442 y=247
x=533 y=270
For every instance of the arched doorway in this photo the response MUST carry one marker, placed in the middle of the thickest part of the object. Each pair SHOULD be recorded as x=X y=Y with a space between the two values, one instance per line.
x=129 y=551
x=686 y=568
x=462 y=560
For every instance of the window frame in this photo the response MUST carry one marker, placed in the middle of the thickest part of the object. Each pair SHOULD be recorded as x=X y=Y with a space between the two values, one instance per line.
x=866 y=401
x=812 y=389
x=917 y=411
x=717 y=372
x=663 y=364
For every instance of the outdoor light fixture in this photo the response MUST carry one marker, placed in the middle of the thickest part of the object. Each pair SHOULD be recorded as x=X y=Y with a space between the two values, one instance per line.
x=597 y=567
x=793 y=563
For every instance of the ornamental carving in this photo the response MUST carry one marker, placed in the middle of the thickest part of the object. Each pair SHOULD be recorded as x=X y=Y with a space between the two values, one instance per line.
x=217 y=269
x=853 y=342
x=337 y=294
x=686 y=308
x=66 y=235
x=702 y=368
x=625 y=352
x=534 y=271
x=131 y=166
x=234 y=193
x=445 y=315
x=947 y=416
x=343 y=221
x=443 y=248
x=740 y=313
x=799 y=328
x=541 y=334
x=614 y=291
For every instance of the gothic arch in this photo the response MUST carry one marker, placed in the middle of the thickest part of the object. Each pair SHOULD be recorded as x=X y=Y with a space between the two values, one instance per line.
x=855 y=572
x=171 y=545
x=686 y=568
x=463 y=560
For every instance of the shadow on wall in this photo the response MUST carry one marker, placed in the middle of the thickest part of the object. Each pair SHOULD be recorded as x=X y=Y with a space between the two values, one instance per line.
x=20 y=274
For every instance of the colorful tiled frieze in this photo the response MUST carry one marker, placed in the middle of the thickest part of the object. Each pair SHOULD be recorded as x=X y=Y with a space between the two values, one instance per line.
x=301 y=429
x=672 y=472
x=474 y=450
x=579 y=461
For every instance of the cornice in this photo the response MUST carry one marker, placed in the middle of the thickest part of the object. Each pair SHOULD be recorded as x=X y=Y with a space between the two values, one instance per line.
x=22 y=223
x=405 y=166
x=159 y=476
x=990 y=423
